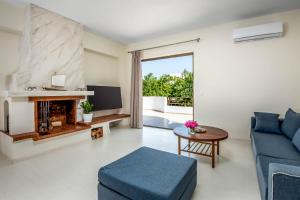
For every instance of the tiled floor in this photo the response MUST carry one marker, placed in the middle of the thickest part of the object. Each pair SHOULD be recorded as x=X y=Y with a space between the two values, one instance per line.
x=153 y=118
x=159 y=122
x=71 y=172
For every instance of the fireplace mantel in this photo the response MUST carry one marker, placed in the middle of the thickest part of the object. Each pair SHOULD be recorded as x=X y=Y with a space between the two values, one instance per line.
x=44 y=93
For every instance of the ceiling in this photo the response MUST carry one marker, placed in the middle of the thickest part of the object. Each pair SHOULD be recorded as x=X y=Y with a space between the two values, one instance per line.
x=129 y=21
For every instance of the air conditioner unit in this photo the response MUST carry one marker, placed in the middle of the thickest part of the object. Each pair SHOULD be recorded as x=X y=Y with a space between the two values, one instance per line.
x=263 y=31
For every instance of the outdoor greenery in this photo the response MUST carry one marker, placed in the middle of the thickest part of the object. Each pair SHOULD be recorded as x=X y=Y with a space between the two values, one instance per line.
x=181 y=88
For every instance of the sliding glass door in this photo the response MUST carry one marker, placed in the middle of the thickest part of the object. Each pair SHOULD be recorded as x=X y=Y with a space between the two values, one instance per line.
x=168 y=90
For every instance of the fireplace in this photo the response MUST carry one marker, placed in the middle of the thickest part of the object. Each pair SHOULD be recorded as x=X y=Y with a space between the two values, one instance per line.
x=55 y=115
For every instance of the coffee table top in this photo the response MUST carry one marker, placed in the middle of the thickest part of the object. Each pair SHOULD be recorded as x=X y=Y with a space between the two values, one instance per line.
x=211 y=134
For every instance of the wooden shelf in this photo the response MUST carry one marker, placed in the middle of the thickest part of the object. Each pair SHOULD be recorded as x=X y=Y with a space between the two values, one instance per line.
x=24 y=136
x=55 y=98
x=106 y=118
x=57 y=131
x=200 y=148
x=66 y=129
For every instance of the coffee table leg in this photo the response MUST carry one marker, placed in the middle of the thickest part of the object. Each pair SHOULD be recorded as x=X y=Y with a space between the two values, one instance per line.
x=189 y=146
x=213 y=155
x=218 y=147
x=179 y=146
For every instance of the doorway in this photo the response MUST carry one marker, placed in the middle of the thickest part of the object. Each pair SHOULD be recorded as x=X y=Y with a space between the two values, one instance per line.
x=168 y=90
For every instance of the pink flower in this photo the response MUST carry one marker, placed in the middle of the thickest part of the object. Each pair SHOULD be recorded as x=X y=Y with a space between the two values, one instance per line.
x=191 y=124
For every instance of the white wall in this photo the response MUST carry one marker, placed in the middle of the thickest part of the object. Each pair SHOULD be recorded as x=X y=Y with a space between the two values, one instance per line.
x=155 y=103
x=11 y=17
x=10 y=34
x=234 y=80
x=100 y=69
x=9 y=56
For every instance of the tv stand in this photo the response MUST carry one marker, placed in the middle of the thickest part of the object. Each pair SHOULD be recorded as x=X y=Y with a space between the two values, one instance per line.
x=104 y=121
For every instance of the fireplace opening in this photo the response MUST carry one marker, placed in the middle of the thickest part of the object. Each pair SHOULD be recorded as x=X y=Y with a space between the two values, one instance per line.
x=55 y=116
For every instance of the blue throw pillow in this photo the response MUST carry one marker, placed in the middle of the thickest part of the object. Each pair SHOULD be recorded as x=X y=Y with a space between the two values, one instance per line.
x=291 y=123
x=267 y=122
x=296 y=139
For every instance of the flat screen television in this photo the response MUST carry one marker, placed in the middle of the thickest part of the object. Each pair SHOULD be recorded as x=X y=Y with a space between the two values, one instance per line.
x=105 y=97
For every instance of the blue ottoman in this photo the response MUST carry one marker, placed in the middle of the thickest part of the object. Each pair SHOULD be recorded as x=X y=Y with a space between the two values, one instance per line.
x=148 y=174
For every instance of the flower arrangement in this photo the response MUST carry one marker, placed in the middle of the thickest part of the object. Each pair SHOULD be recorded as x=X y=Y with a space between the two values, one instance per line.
x=191 y=124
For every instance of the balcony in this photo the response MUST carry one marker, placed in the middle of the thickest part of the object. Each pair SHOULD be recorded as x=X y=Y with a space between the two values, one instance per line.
x=166 y=112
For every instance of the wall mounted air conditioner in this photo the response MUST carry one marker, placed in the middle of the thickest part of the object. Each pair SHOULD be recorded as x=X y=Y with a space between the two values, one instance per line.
x=263 y=31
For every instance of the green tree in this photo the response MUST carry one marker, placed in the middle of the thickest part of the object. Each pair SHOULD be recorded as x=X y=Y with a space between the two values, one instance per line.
x=170 y=86
x=187 y=87
x=150 y=85
x=164 y=85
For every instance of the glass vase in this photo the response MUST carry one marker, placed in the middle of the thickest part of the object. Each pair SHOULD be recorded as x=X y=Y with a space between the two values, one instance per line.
x=191 y=131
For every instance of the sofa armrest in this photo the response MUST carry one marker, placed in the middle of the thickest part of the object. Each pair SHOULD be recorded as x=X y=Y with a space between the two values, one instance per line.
x=283 y=182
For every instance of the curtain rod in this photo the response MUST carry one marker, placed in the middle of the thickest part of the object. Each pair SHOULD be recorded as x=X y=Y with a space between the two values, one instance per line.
x=166 y=45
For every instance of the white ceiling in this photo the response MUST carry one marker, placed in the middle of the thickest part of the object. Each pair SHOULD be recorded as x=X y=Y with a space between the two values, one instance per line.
x=130 y=21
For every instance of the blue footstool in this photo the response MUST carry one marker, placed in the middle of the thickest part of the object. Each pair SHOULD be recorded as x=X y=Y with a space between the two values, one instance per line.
x=148 y=174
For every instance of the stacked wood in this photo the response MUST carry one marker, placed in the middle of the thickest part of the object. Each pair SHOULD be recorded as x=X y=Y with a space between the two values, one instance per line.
x=97 y=133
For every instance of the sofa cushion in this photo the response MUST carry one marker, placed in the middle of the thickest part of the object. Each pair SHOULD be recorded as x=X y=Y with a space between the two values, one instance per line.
x=291 y=123
x=262 y=167
x=296 y=139
x=267 y=122
x=149 y=174
x=274 y=145
x=253 y=122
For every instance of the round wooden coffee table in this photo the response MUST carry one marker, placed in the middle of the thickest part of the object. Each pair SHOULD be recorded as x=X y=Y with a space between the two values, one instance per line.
x=201 y=143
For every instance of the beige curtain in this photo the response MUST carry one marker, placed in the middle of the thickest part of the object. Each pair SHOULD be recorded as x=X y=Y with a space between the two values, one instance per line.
x=136 y=97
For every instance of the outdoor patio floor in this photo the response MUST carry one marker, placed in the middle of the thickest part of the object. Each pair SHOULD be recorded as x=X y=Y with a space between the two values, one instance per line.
x=164 y=120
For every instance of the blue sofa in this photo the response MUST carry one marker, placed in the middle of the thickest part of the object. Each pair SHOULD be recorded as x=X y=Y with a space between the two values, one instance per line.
x=148 y=174
x=277 y=165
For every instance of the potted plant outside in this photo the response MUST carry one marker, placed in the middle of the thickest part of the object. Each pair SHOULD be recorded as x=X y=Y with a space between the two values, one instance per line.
x=87 y=111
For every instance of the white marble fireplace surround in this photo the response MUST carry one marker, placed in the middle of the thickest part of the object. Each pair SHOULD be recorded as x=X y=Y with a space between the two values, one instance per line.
x=50 y=44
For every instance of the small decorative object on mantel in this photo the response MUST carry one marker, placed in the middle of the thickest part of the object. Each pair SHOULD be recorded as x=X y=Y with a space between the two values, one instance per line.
x=191 y=125
x=81 y=89
x=87 y=109
x=58 y=80
x=57 y=83
x=53 y=89
x=31 y=88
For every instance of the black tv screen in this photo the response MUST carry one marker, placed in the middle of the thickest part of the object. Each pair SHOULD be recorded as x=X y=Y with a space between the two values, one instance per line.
x=105 y=97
